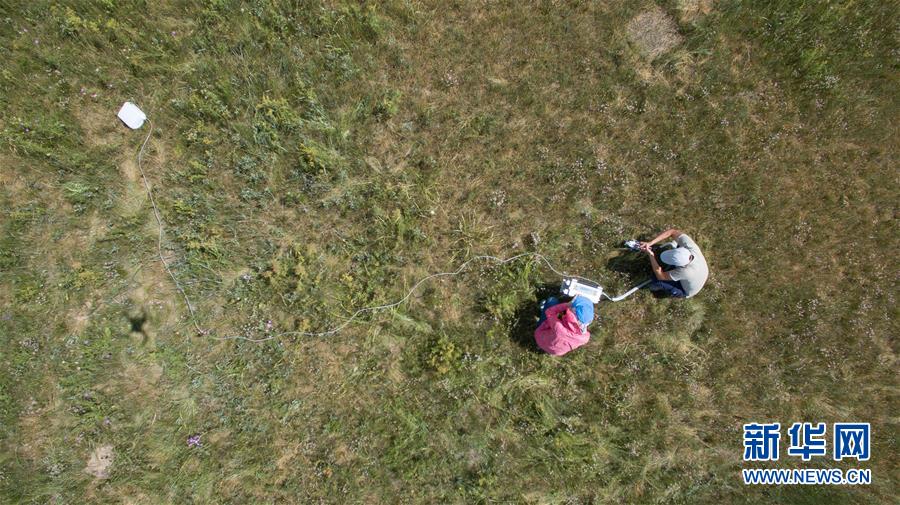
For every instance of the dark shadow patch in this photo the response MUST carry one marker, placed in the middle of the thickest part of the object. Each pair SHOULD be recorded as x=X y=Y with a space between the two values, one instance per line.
x=525 y=318
x=634 y=264
x=138 y=319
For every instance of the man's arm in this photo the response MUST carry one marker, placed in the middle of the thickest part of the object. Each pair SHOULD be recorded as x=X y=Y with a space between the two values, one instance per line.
x=671 y=233
x=657 y=269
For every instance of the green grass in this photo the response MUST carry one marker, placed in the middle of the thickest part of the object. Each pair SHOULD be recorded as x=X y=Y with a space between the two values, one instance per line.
x=313 y=157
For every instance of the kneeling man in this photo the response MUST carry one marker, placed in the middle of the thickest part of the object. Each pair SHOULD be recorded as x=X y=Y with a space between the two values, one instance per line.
x=686 y=271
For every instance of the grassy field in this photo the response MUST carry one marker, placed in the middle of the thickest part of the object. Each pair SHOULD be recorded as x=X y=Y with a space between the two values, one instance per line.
x=309 y=158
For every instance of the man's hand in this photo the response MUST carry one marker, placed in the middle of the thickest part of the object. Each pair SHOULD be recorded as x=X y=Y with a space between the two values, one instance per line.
x=646 y=248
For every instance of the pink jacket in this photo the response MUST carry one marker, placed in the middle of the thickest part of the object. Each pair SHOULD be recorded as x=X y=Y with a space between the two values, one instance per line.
x=560 y=332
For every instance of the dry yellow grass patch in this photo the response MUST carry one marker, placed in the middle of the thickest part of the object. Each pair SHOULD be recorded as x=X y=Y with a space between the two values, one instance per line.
x=142 y=379
x=653 y=33
x=10 y=180
x=100 y=125
x=134 y=195
x=692 y=10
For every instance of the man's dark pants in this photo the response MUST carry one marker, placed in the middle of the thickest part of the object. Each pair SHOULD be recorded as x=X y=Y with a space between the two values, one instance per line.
x=672 y=289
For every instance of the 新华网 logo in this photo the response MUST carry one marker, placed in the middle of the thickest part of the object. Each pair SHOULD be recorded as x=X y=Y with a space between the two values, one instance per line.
x=807 y=441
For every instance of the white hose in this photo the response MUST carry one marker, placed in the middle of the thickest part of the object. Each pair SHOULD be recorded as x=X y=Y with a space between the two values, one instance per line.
x=627 y=293
x=159 y=224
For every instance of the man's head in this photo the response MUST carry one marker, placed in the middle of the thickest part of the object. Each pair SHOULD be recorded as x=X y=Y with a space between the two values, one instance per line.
x=679 y=257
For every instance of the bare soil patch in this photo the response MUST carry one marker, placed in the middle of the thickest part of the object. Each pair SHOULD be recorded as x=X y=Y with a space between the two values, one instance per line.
x=100 y=462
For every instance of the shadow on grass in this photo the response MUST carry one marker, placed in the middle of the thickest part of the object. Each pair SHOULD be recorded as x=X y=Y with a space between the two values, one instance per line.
x=637 y=267
x=634 y=264
x=525 y=319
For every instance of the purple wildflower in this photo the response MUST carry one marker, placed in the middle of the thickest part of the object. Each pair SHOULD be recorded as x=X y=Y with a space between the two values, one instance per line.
x=193 y=441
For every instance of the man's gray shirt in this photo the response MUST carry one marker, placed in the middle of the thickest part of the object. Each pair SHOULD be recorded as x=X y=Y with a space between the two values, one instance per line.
x=693 y=275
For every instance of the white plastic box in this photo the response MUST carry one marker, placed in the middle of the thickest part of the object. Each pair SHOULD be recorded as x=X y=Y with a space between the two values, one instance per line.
x=574 y=287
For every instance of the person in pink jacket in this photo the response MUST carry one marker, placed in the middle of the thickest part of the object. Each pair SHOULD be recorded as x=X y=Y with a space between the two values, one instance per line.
x=563 y=325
